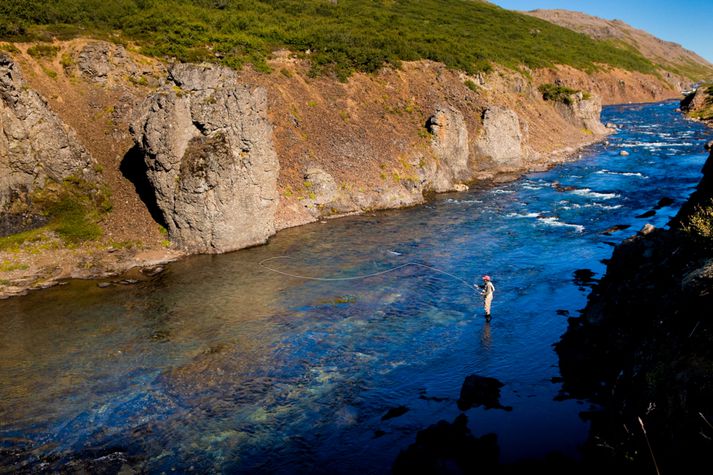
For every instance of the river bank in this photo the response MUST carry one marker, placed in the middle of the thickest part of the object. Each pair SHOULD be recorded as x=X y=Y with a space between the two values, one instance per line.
x=50 y=263
x=326 y=149
x=641 y=349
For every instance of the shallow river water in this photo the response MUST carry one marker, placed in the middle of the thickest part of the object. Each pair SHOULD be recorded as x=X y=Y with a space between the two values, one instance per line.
x=221 y=365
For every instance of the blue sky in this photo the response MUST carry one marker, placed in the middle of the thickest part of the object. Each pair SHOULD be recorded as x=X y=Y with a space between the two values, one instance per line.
x=687 y=22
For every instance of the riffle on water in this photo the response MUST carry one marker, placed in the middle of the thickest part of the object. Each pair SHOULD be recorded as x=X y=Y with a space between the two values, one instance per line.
x=219 y=365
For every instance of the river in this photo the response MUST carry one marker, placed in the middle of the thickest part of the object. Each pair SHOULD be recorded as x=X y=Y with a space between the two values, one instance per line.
x=221 y=365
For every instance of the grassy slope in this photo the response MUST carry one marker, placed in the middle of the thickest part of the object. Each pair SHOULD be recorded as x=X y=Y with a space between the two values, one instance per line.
x=343 y=37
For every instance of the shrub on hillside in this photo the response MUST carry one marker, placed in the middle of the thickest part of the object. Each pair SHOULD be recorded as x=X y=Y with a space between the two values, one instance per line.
x=339 y=37
x=43 y=50
x=556 y=93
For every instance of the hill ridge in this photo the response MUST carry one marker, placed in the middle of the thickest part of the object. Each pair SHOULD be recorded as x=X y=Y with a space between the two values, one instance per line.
x=667 y=55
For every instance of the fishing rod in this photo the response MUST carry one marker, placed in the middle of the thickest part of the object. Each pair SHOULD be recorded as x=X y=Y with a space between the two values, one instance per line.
x=358 y=277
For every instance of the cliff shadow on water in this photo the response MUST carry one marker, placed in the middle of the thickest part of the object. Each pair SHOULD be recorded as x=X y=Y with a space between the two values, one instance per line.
x=642 y=349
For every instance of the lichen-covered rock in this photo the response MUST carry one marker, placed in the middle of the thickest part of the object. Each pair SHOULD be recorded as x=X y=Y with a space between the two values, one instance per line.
x=500 y=143
x=107 y=63
x=450 y=146
x=583 y=112
x=322 y=191
x=207 y=145
x=35 y=145
x=321 y=184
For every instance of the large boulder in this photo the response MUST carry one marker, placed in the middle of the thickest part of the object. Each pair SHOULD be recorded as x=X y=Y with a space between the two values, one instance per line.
x=697 y=99
x=207 y=145
x=35 y=145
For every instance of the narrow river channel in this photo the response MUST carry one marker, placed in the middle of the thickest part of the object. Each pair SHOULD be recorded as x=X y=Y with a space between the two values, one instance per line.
x=220 y=365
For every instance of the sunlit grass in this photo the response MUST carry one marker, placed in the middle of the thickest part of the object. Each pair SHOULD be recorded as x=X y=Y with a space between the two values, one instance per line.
x=340 y=37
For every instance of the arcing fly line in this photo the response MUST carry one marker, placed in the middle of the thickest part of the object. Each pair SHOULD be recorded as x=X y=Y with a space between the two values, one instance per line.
x=358 y=277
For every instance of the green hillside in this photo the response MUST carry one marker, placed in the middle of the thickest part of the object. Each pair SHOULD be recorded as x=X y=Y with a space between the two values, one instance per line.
x=341 y=35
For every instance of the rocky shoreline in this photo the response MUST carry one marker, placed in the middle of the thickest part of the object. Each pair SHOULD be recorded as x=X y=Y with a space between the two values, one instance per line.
x=641 y=349
x=129 y=265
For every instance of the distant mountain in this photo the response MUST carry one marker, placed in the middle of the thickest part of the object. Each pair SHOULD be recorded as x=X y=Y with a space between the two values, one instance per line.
x=665 y=54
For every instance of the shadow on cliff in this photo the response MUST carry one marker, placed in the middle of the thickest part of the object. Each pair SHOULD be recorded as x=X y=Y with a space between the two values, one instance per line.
x=134 y=169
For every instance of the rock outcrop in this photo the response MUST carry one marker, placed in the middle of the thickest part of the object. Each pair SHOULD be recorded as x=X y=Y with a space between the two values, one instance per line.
x=501 y=141
x=35 y=145
x=450 y=146
x=699 y=104
x=584 y=112
x=207 y=145
x=106 y=63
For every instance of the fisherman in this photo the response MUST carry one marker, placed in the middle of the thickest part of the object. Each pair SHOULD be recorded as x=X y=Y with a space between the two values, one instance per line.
x=487 y=292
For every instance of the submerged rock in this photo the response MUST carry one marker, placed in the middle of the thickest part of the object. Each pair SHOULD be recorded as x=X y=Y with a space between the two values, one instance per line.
x=152 y=271
x=663 y=202
x=584 y=278
x=481 y=391
x=616 y=228
x=395 y=412
x=449 y=448
x=647 y=214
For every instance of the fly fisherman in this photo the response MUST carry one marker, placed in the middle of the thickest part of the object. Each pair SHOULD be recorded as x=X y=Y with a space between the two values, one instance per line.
x=487 y=292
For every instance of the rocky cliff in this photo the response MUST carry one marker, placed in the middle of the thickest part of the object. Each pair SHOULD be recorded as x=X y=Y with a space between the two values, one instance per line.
x=641 y=350
x=36 y=147
x=207 y=146
x=223 y=159
x=698 y=105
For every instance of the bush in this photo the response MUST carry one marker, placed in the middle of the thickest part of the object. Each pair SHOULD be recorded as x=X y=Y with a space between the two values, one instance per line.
x=700 y=221
x=555 y=93
x=74 y=207
x=471 y=85
x=9 y=47
x=43 y=51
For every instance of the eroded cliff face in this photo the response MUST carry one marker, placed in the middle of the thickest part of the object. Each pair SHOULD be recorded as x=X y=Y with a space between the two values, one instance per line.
x=207 y=145
x=614 y=86
x=223 y=159
x=698 y=105
x=387 y=140
x=502 y=142
x=36 y=147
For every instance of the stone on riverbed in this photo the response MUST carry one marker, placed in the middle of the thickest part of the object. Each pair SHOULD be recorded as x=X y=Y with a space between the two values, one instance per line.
x=480 y=391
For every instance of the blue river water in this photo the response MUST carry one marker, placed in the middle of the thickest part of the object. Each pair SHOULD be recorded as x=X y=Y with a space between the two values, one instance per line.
x=220 y=365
